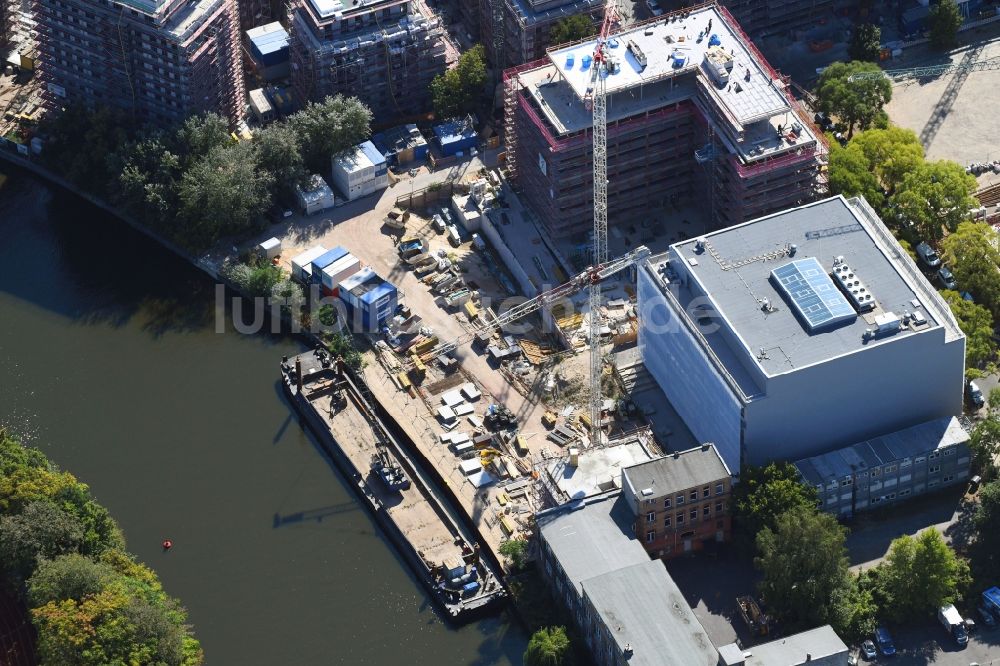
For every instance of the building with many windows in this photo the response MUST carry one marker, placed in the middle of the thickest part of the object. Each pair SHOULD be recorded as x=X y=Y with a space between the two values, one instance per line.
x=527 y=25
x=889 y=468
x=158 y=60
x=694 y=110
x=679 y=502
x=384 y=52
x=798 y=333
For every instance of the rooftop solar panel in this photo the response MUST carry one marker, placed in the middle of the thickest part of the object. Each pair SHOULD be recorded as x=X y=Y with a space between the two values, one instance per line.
x=817 y=300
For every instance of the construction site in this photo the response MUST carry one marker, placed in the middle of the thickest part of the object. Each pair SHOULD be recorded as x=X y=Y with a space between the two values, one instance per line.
x=688 y=87
x=159 y=61
x=761 y=17
x=386 y=52
x=525 y=26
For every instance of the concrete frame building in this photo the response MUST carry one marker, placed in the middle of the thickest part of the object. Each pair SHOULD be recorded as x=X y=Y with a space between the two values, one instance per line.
x=160 y=60
x=627 y=606
x=798 y=333
x=890 y=468
x=528 y=23
x=680 y=502
x=693 y=107
x=382 y=51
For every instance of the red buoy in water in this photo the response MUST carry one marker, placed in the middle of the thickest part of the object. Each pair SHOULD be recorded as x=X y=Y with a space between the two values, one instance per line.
x=167 y=544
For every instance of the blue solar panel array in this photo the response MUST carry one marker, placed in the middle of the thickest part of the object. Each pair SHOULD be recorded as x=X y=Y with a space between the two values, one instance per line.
x=812 y=292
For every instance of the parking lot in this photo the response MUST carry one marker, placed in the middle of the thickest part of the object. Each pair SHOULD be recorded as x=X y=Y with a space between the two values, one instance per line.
x=927 y=643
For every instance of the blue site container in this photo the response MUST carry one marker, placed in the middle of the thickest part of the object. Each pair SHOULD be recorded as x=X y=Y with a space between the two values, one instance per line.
x=455 y=136
x=471 y=588
x=269 y=44
x=324 y=260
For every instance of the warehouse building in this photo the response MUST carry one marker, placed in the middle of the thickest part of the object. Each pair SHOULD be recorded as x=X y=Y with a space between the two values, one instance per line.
x=160 y=61
x=693 y=110
x=527 y=25
x=360 y=171
x=626 y=605
x=385 y=52
x=798 y=333
x=890 y=468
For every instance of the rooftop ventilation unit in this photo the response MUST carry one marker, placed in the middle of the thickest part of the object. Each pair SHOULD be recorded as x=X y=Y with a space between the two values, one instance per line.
x=852 y=286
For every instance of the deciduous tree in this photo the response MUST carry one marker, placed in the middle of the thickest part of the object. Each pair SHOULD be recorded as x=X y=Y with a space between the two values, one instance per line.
x=515 y=550
x=460 y=90
x=944 y=21
x=571 y=29
x=865 y=42
x=972 y=254
x=764 y=493
x=977 y=324
x=804 y=565
x=200 y=135
x=923 y=574
x=70 y=576
x=330 y=127
x=935 y=196
x=987 y=523
x=40 y=531
x=851 y=174
x=856 y=103
x=280 y=154
x=549 y=646
x=985 y=441
x=891 y=153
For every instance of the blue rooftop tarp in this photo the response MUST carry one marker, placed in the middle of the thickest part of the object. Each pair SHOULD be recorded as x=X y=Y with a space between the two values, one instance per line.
x=324 y=260
x=269 y=44
x=373 y=153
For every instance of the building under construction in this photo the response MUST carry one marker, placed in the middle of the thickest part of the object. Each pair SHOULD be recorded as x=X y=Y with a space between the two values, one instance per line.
x=383 y=51
x=764 y=17
x=527 y=25
x=160 y=61
x=693 y=110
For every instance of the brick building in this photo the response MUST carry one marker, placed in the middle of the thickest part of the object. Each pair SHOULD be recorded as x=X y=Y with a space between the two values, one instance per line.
x=693 y=110
x=681 y=501
x=160 y=61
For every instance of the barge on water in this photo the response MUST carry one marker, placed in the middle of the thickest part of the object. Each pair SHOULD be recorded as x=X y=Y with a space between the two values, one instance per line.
x=336 y=407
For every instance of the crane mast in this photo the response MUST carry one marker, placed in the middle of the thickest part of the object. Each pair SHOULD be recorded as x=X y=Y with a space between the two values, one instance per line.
x=599 y=107
x=931 y=70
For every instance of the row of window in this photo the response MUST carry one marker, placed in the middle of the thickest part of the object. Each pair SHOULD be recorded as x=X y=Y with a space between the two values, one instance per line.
x=651 y=534
x=706 y=511
x=692 y=495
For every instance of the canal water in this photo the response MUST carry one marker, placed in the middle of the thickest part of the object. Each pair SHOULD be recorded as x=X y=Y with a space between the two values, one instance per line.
x=110 y=363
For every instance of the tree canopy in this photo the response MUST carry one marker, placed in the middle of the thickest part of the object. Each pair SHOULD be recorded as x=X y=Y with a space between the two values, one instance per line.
x=460 y=89
x=972 y=254
x=516 y=550
x=920 y=575
x=804 y=565
x=865 y=43
x=571 y=29
x=944 y=21
x=330 y=127
x=549 y=646
x=856 y=104
x=851 y=174
x=935 y=196
x=977 y=324
x=985 y=442
x=764 y=493
x=987 y=522
x=90 y=603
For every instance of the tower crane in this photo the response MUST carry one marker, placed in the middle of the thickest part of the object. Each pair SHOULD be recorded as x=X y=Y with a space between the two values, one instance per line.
x=932 y=70
x=599 y=106
x=587 y=278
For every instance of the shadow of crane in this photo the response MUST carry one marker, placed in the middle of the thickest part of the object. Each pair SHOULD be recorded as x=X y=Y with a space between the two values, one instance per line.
x=944 y=105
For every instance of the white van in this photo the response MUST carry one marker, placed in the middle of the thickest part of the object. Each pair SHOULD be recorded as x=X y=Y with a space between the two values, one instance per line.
x=453 y=236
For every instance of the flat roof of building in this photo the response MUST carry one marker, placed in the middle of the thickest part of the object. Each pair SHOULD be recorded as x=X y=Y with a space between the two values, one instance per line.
x=591 y=537
x=732 y=271
x=363 y=156
x=672 y=47
x=598 y=469
x=794 y=650
x=269 y=38
x=366 y=285
x=645 y=612
x=679 y=470
x=878 y=451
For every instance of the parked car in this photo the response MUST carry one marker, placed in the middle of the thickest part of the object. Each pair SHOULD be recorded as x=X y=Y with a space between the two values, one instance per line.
x=946 y=279
x=654 y=7
x=884 y=641
x=927 y=255
x=974 y=394
x=868 y=650
x=986 y=617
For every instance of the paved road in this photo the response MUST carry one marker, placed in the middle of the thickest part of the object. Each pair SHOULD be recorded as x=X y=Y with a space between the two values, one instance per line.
x=928 y=644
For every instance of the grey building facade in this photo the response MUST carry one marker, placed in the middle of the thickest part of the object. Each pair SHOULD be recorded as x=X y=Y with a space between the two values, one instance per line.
x=763 y=351
x=890 y=468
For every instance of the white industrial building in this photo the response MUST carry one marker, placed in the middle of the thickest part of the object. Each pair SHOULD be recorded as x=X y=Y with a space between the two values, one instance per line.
x=360 y=171
x=798 y=333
